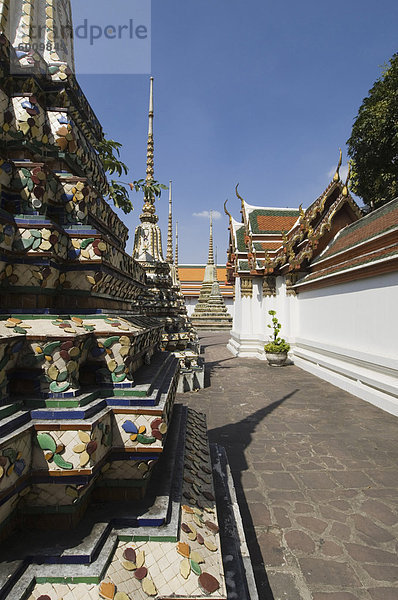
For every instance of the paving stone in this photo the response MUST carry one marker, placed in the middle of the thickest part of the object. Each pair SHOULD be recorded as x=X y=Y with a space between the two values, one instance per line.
x=303 y=508
x=374 y=532
x=379 y=511
x=312 y=523
x=384 y=493
x=288 y=495
x=260 y=514
x=331 y=548
x=352 y=479
x=271 y=549
x=281 y=517
x=385 y=477
x=251 y=495
x=298 y=540
x=328 y=572
x=383 y=593
x=249 y=480
x=340 y=531
x=268 y=465
x=382 y=572
x=279 y=481
x=332 y=515
x=310 y=466
x=334 y=596
x=285 y=587
x=370 y=555
x=332 y=462
x=342 y=505
x=317 y=480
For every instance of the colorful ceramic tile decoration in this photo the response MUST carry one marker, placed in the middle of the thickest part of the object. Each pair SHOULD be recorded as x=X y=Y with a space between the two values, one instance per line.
x=93 y=345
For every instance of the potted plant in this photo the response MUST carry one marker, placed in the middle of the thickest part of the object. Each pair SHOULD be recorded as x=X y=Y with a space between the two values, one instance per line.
x=276 y=350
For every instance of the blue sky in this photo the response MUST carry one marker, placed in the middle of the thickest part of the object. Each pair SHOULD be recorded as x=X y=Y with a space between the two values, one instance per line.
x=253 y=92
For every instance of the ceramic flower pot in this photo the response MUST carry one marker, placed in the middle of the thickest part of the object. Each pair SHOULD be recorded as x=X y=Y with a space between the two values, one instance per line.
x=276 y=359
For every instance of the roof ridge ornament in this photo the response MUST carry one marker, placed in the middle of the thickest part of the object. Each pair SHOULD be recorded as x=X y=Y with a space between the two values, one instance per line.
x=239 y=196
x=228 y=213
x=345 y=188
x=336 y=176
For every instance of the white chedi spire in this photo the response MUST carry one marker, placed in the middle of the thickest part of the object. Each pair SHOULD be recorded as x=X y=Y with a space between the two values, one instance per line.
x=148 y=238
x=169 y=255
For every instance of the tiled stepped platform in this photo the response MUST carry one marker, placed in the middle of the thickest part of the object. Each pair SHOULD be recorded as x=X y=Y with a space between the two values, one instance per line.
x=211 y=324
x=212 y=315
x=90 y=545
x=102 y=442
x=177 y=533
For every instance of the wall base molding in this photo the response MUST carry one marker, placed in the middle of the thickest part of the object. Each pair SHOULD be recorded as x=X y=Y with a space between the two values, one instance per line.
x=371 y=378
x=246 y=346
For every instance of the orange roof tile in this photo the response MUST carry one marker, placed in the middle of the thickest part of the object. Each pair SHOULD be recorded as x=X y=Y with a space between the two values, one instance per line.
x=275 y=222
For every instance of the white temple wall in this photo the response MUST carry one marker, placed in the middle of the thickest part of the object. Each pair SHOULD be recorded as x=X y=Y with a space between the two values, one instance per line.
x=249 y=330
x=347 y=334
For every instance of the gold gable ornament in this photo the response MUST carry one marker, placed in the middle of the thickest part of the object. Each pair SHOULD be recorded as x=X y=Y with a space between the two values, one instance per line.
x=269 y=286
x=246 y=287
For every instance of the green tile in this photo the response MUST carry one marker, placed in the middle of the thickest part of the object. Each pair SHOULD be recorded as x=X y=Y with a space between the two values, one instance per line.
x=163 y=538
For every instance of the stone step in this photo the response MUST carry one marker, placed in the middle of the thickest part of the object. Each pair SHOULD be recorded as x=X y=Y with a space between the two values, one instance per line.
x=13 y=422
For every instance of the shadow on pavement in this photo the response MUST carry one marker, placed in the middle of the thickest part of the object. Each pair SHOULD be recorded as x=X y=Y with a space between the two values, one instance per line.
x=235 y=438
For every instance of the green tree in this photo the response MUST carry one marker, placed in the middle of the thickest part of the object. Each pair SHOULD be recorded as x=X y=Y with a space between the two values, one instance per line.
x=373 y=145
x=109 y=153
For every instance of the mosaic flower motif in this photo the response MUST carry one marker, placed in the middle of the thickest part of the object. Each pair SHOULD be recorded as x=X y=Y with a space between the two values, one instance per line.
x=66 y=140
x=8 y=276
x=87 y=447
x=75 y=491
x=28 y=123
x=8 y=119
x=53 y=454
x=15 y=463
x=137 y=434
x=34 y=184
x=5 y=167
x=106 y=431
x=60 y=72
x=6 y=234
x=159 y=428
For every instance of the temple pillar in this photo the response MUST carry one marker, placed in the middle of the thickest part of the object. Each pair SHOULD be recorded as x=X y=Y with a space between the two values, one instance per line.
x=248 y=329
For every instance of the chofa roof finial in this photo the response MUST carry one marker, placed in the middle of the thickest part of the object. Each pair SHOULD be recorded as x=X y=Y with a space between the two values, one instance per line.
x=345 y=188
x=336 y=176
x=242 y=202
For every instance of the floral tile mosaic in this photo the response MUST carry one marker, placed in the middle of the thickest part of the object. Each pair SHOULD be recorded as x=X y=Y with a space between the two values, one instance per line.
x=15 y=460
x=189 y=568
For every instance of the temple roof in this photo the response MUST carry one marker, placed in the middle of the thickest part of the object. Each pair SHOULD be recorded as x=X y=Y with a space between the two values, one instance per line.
x=374 y=224
x=273 y=239
x=272 y=220
x=365 y=248
x=191 y=278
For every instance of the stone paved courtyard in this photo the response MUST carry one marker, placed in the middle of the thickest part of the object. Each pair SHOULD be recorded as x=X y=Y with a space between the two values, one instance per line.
x=316 y=476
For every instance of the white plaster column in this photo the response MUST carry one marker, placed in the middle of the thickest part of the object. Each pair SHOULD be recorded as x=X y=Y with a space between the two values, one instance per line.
x=247 y=335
